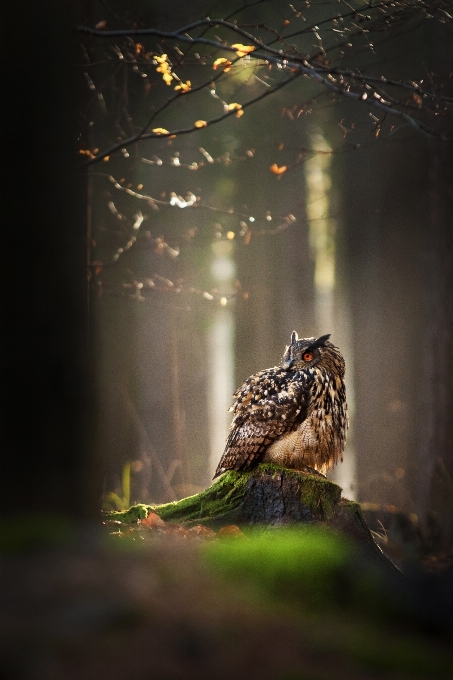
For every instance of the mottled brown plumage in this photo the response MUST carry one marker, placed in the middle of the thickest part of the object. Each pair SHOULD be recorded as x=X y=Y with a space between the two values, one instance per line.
x=294 y=415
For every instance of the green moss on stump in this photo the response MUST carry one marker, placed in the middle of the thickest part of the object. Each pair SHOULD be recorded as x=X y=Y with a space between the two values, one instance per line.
x=219 y=502
x=220 y=499
x=245 y=497
x=320 y=495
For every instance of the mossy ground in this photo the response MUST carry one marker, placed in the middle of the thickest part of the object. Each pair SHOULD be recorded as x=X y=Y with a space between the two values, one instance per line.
x=319 y=574
x=302 y=563
x=276 y=605
x=297 y=603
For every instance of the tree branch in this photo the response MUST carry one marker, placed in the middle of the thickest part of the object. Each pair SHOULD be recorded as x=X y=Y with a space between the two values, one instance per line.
x=183 y=131
x=297 y=65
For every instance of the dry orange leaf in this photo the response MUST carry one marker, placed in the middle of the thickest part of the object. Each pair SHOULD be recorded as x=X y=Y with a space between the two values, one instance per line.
x=86 y=152
x=278 y=170
x=238 y=108
x=242 y=50
x=231 y=530
x=221 y=60
x=97 y=266
x=184 y=87
x=202 y=531
x=200 y=123
x=152 y=520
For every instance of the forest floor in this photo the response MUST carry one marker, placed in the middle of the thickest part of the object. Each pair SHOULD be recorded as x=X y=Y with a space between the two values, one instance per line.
x=154 y=600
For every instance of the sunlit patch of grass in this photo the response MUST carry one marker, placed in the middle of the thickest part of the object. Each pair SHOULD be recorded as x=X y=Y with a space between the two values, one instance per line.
x=305 y=564
x=342 y=605
x=111 y=501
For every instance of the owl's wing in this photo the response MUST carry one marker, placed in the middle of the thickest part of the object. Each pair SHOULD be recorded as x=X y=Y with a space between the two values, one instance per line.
x=267 y=405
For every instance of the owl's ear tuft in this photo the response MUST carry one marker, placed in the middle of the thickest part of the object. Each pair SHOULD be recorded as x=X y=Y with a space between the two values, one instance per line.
x=322 y=340
x=294 y=337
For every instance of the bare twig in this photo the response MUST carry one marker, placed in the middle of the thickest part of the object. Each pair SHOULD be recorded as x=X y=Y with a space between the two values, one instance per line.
x=266 y=54
x=140 y=136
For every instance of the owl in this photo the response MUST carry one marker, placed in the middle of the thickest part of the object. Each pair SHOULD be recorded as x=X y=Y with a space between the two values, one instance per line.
x=294 y=414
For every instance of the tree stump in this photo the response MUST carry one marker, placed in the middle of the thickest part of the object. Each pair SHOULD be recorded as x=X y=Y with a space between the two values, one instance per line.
x=269 y=496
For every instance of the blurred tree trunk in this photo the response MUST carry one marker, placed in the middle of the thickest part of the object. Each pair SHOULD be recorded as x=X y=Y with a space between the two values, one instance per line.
x=399 y=245
x=47 y=386
x=435 y=465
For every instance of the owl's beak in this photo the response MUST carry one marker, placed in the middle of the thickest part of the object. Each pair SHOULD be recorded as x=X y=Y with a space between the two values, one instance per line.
x=287 y=364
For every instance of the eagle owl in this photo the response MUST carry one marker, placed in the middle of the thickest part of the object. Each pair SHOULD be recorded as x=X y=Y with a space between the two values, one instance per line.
x=293 y=415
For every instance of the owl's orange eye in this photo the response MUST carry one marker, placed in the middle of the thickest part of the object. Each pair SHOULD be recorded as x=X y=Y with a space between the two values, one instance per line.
x=308 y=356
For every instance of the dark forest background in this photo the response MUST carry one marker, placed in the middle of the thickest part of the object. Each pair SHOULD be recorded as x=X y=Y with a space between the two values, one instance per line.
x=113 y=378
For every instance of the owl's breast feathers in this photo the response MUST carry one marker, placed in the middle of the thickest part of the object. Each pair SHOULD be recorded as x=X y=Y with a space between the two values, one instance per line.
x=287 y=417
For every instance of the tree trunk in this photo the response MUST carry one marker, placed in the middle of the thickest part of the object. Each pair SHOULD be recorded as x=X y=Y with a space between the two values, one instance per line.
x=48 y=394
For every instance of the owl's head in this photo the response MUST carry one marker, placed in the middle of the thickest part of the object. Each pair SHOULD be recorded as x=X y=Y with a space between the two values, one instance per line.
x=305 y=352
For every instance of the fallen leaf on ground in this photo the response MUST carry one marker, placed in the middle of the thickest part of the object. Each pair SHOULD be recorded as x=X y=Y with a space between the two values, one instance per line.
x=152 y=520
x=231 y=530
